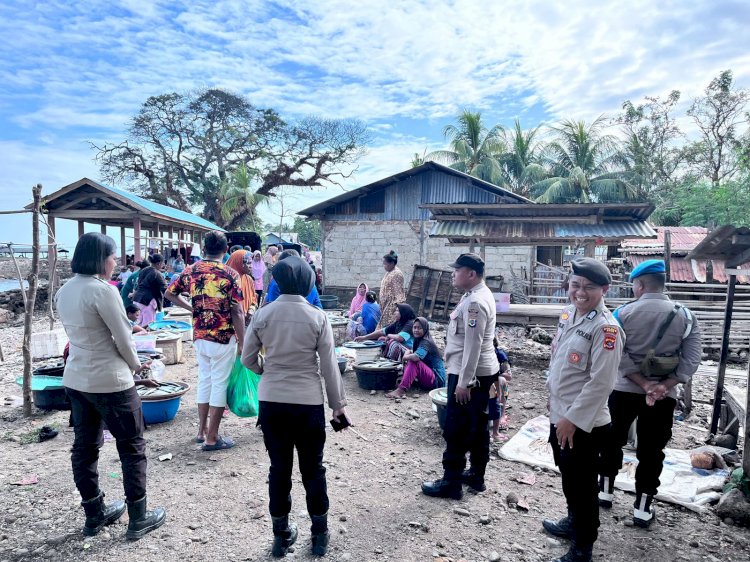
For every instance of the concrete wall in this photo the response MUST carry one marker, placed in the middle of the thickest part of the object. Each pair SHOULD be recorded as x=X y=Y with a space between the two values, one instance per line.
x=353 y=250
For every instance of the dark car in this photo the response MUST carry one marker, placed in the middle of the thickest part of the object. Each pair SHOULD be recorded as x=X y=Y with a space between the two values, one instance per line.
x=244 y=238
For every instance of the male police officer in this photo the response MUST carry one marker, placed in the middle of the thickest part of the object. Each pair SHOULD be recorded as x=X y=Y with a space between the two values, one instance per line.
x=585 y=354
x=663 y=349
x=472 y=367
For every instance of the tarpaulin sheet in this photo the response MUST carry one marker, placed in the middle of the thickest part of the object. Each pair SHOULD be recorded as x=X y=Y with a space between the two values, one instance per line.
x=681 y=484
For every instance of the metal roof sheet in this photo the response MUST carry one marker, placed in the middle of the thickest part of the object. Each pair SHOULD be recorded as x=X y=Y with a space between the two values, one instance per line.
x=139 y=203
x=597 y=211
x=401 y=176
x=683 y=239
x=536 y=231
x=684 y=270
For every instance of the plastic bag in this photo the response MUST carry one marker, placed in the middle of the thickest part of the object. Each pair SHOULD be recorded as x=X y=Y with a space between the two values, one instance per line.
x=242 y=391
x=157 y=369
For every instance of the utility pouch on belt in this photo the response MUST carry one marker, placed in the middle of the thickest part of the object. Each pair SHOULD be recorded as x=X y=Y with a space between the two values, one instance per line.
x=656 y=366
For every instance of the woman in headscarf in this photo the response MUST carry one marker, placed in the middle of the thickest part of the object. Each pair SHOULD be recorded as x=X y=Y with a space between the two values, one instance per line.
x=397 y=336
x=358 y=301
x=149 y=293
x=258 y=270
x=391 y=288
x=424 y=364
x=299 y=352
x=240 y=261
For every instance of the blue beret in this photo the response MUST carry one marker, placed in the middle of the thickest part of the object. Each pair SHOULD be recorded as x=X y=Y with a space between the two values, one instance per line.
x=648 y=267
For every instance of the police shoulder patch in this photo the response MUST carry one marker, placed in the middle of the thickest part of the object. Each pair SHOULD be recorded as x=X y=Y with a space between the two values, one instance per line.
x=610 y=337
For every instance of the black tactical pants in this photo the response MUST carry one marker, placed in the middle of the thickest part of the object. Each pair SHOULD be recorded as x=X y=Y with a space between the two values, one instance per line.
x=578 y=468
x=654 y=430
x=466 y=430
x=287 y=427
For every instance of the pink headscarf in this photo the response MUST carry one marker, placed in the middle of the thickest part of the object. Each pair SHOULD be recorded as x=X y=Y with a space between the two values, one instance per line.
x=358 y=300
x=259 y=268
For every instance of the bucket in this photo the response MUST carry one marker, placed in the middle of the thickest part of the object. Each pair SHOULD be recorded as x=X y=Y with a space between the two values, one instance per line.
x=439 y=397
x=343 y=364
x=329 y=301
x=376 y=380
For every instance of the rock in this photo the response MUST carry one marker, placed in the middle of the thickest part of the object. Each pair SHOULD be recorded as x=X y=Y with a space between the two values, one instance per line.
x=290 y=549
x=378 y=550
x=58 y=539
x=343 y=530
x=165 y=457
x=735 y=506
x=342 y=518
x=21 y=551
x=494 y=556
x=694 y=544
x=529 y=406
x=373 y=392
x=485 y=519
x=461 y=511
x=346 y=556
x=512 y=499
x=517 y=547
x=51 y=554
x=553 y=542
x=413 y=414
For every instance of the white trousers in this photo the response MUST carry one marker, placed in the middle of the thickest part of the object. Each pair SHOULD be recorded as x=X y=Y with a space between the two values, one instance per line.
x=215 y=362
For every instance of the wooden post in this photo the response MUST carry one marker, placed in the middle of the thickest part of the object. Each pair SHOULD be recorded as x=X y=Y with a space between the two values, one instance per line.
x=123 y=249
x=103 y=228
x=161 y=242
x=589 y=249
x=719 y=392
x=170 y=233
x=80 y=228
x=746 y=448
x=52 y=280
x=29 y=309
x=667 y=253
x=137 y=238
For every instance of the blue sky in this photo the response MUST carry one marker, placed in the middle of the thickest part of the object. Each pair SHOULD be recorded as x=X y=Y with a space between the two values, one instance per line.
x=73 y=72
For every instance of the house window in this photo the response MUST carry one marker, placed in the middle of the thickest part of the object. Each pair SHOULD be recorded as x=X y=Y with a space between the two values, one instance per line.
x=373 y=202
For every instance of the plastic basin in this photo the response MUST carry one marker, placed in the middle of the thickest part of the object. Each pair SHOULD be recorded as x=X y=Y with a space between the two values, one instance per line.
x=160 y=411
x=343 y=363
x=376 y=380
x=329 y=301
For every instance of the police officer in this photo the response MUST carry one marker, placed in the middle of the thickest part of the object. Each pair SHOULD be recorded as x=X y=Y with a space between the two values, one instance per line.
x=663 y=349
x=583 y=367
x=472 y=367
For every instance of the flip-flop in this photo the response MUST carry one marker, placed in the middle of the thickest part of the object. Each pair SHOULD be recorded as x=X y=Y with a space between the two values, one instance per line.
x=220 y=445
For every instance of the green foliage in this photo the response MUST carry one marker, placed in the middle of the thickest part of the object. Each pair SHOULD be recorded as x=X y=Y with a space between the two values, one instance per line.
x=310 y=232
x=700 y=203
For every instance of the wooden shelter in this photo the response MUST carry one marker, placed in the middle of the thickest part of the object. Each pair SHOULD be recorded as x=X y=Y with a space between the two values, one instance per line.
x=89 y=201
x=732 y=246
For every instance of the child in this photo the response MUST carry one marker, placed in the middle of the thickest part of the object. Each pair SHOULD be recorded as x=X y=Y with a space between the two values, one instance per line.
x=133 y=315
x=499 y=394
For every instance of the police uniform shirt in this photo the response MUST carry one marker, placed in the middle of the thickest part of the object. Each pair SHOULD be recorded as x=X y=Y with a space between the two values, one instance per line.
x=469 y=352
x=586 y=353
x=640 y=321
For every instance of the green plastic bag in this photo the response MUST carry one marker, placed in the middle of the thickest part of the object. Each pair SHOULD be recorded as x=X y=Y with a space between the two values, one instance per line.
x=242 y=391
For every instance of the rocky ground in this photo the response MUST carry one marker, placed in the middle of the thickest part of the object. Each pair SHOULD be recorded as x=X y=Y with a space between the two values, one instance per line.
x=216 y=502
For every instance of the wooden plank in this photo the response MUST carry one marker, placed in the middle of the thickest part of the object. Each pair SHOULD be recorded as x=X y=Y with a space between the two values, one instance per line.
x=435 y=292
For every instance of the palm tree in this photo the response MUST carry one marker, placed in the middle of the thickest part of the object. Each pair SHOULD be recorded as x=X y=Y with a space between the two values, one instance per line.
x=419 y=159
x=582 y=164
x=237 y=201
x=521 y=164
x=474 y=149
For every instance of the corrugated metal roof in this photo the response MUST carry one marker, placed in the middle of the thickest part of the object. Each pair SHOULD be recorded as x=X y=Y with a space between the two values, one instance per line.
x=401 y=176
x=685 y=270
x=595 y=211
x=683 y=239
x=139 y=203
x=536 y=231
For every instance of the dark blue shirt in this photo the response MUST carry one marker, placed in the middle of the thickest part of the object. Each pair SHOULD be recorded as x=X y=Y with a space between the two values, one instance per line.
x=274 y=293
x=434 y=362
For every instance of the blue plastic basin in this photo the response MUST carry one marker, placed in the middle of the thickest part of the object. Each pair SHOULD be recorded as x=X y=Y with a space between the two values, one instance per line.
x=160 y=411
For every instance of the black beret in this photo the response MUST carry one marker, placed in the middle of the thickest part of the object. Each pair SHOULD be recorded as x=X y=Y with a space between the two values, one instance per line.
x=593 y=270
x=472 y=261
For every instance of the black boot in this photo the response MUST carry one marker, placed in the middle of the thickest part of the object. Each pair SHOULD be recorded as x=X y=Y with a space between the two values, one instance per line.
x=443 y=489
x=606 y=491
x=320 y=534
x=473 y=480
x=99 y=514
x=562 y=528
x=644 y=513
x=143 y=521
x=577 y=553
x=284 y=535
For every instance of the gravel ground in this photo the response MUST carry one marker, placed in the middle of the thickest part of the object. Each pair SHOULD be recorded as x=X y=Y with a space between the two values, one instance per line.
x=216 y=502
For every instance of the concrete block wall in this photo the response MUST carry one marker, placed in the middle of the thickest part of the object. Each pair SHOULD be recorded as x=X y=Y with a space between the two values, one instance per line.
x=353 y=251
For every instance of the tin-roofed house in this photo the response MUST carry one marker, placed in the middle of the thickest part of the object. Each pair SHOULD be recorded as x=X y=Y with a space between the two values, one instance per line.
x=362 y=225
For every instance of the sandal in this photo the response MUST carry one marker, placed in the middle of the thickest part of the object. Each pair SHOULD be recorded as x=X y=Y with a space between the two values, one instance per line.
x=220 y=445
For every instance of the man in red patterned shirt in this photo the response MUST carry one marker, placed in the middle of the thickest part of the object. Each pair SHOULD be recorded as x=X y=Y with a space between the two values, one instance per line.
x=218 y=332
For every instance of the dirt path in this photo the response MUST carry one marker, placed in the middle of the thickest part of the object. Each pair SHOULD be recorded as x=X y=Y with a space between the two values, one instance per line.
x=216 y=502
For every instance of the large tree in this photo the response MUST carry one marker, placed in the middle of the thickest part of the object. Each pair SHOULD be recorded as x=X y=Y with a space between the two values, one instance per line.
x=473 y=148
x=718 y=114
x=183 y=149
x=582 y=162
